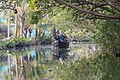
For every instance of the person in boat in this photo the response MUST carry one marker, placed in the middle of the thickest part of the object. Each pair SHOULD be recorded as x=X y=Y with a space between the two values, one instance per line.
x=57 y=37
x=62 y=37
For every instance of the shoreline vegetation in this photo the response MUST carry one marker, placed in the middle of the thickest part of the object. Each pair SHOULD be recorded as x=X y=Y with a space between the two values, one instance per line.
x=16 y=42
x=19 y=42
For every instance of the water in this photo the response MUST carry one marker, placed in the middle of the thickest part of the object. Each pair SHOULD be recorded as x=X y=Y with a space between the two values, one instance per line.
x=79 y=62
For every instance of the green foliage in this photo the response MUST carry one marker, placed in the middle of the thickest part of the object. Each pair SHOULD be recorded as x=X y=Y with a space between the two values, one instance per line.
x=45 y=36
x=108 y=36
x=47 y=40
x=61 y=17
x=69 y=22
x=16 y=42
x=104 y=67
x=35 y=17
x=38 y=8
x=3 y=44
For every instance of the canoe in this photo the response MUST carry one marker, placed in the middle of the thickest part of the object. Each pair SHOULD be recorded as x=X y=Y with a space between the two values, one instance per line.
x=61 y=44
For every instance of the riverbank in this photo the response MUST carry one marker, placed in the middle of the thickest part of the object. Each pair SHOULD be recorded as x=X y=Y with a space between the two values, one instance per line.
x=15 y=42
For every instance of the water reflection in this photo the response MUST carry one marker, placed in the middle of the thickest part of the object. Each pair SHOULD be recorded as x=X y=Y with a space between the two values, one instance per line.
x=60 y=54
x=48 y=63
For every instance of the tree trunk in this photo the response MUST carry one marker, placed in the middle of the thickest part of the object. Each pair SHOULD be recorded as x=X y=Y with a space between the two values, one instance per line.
x=54 y=31
x=30 y=31
x=21 y=26
x=16 y=24
x=8 y=23
x=26 y=32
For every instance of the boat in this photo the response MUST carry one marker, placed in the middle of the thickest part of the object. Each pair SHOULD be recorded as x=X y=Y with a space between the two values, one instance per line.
x=60 y=44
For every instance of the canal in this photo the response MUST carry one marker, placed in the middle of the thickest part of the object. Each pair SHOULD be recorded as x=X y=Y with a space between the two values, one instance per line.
x=78 y=62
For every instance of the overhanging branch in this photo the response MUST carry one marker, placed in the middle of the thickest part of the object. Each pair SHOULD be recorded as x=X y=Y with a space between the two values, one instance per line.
x=90 y=12
x=113 y=6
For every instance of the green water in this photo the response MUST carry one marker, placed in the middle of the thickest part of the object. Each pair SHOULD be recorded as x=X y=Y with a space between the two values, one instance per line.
x=79 y=62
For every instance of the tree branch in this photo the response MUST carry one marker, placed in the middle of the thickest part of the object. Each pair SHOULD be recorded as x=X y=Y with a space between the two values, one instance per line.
x=113 y=6
x=96 y=4
x=100 y=5
x=91 y=12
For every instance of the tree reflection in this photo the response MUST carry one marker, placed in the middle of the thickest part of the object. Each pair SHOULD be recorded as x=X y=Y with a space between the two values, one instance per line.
x=60 y=54
x=38 y=63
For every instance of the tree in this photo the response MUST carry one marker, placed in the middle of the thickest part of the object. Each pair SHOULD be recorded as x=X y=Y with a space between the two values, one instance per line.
x=20 y=8
x=95 y=9
x=108 y=36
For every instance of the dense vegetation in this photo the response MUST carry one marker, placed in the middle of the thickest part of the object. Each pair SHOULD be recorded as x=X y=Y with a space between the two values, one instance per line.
x=96 y=20
x=108 y=36
x=78 y=19
x=16 y=42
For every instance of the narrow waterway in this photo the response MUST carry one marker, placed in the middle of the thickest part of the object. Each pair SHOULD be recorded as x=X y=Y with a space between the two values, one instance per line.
x=78 y=62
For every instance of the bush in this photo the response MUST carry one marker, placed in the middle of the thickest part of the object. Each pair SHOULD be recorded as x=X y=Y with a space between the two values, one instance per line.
x=19 y=42
x=3 y=44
